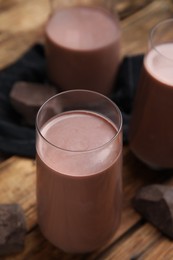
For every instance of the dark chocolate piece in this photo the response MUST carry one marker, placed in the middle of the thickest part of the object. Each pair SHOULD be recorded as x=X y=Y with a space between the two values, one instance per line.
x=26 y=98
x=12 y=229
x=155 y=203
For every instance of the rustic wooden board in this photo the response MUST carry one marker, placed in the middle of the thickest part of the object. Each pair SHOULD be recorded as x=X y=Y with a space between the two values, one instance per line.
x=17 y=184
x=163 y=249
x=136 y=28
x=21 y=25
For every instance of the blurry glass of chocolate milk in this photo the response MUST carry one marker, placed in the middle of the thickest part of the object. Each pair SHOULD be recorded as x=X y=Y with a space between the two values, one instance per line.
x=151 y=130
x=83 y=45
x=79 y=170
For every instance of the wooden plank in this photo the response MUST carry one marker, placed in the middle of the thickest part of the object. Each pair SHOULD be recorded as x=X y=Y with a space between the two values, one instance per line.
x=126 y=8
x=17 y=185
x=133 y=244
x=135 y=29
x=21 y=24
x=162 y=250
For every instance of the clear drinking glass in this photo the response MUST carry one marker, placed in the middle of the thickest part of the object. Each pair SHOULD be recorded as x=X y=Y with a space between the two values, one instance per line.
x=151 y=130
x=79 y=170
x=82 y=43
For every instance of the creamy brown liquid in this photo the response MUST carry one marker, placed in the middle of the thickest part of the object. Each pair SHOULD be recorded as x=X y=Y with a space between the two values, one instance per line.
x=79 y=193
x=82 y=49
x=151 y=131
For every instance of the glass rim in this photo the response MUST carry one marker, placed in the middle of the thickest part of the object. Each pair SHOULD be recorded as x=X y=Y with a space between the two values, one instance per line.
x=152 y=32
x=119 y=128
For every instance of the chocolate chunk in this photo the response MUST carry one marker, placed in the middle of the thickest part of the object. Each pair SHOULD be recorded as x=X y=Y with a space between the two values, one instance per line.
x=155 y=203
x=26 y=98
x=12 y=229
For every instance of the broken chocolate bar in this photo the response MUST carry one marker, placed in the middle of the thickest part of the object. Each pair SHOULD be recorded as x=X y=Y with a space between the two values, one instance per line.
x=26 y=98
x=155 y=203
x=12 y=229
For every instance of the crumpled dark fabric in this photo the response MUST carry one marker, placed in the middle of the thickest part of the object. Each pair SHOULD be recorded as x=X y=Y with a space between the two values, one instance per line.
x=125 y=88
x=19 y=139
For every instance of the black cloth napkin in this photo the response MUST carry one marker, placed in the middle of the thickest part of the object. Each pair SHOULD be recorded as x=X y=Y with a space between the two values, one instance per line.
x=19 y=139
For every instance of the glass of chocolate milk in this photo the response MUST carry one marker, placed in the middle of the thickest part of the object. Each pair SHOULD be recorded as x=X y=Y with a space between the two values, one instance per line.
x=79 y=170
x=151 y=130
x=82 y=45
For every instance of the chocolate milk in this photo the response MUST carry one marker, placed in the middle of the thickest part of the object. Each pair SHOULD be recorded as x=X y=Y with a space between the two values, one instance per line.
x=79 y=193
x=151 y=131
x=82 y=49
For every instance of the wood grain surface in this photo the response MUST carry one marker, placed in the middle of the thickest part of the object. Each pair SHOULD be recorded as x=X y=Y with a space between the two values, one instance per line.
x=21 y=25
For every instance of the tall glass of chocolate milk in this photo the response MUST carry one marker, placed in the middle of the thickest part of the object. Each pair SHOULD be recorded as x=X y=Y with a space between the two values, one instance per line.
x=151 y=130
x=82 y=45
x=79 y=170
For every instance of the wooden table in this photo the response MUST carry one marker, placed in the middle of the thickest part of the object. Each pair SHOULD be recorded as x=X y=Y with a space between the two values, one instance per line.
x=21 y=25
